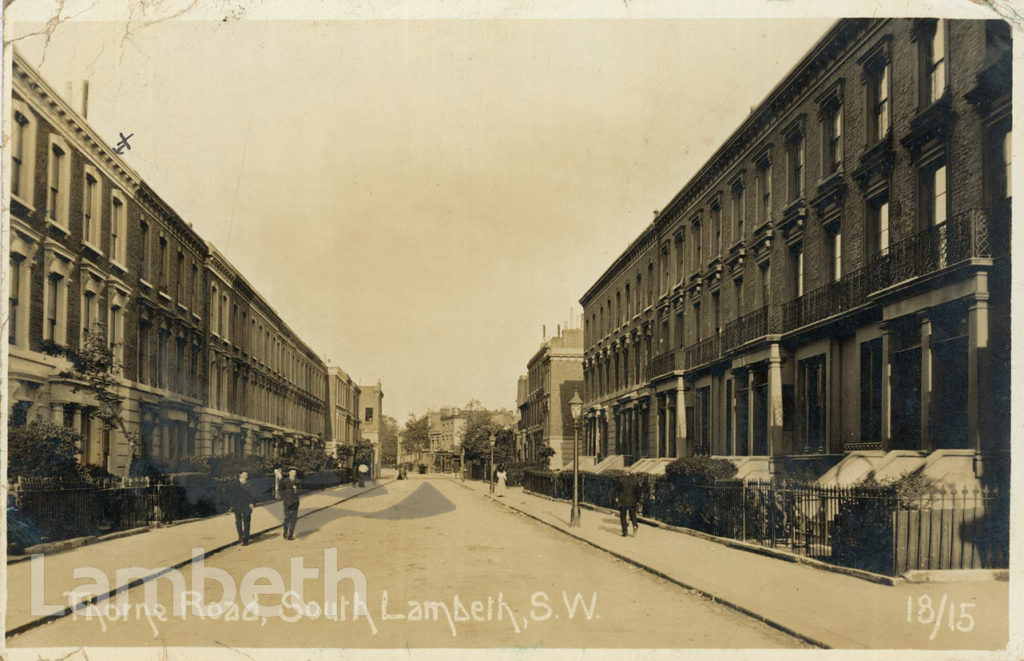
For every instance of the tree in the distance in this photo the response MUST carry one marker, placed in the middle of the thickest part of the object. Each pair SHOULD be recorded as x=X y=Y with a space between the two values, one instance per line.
x=388 y=441
x=416 y=436
x=477 y=439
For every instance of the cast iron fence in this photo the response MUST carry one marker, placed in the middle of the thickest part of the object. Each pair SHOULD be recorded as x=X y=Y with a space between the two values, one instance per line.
x=874 y=527
x=47 y=509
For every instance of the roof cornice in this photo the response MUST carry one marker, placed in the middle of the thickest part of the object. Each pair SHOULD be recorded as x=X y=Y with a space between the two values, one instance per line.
x=806 y=73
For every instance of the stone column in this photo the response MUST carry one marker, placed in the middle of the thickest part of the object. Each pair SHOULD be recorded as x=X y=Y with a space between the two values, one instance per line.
x=617 y=431
x=887 y=337
x=927 y=443
x=663 y=425
x=774 y=400
x=57 y=412
x=730 y=412
x=682 y=442
x=751 y=418
x=76 y=424
x=979 y=373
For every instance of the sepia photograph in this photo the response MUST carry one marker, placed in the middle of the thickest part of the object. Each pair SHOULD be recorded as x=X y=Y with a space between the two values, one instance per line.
x=618 y=329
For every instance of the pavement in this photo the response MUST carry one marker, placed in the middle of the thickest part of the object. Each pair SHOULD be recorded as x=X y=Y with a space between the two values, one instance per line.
x=160 y=547
x=824 y=608
x=428 y=549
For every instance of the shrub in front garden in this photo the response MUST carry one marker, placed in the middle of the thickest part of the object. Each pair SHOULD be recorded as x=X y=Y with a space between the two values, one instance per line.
x=690 y=501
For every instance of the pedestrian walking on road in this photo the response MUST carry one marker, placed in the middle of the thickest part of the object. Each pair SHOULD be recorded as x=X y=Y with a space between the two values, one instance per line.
x=626 y=498
x=502 y=478
x=242 y=503
x=363 y=469
x=290 y=488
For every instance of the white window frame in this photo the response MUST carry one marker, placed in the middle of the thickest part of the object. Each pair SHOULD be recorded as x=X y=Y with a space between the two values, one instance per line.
x=146 y=239
x=937 y=67
x=797 y=252
x=24 y=249
x=91 y=237
x=214 y=311
x=117 y=301
x=833 y=140
x=835 y=238
x=92 y=286
x=881 y=82
x=60 y=212
x=118 y=229
x=56 y=283
x=27 y=172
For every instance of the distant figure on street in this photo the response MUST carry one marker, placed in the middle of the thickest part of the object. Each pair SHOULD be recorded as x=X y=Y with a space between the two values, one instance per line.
x=290 y=487
x=626 y=497
x=363 y=469
x=277 y=483
x=242 y=503
x=502 y=478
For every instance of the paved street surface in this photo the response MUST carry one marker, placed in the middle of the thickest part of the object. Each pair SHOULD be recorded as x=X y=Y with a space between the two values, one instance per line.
x=434 y=547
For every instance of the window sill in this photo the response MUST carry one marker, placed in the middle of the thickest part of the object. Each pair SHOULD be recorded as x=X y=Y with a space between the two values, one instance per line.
x=145 y=284
x=164 y=296
x=20 y=200
x=181 y=307
x=92 y=248
x=62 y=229
x=118 y=266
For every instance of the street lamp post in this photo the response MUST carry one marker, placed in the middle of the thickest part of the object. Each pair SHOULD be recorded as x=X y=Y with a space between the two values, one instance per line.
x=575 y=409
x=462 y=464
x=492 y=464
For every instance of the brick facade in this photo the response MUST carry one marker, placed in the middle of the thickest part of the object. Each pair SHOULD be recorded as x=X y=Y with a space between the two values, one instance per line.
x=114 y=257
x=765 y=308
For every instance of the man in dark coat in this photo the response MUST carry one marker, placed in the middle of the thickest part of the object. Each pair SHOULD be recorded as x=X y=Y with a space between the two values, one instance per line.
x=627 y=492
x=289 y=490
x=242 y=503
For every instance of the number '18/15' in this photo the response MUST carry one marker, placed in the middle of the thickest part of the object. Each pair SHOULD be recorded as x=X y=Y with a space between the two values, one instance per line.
x=928 y=614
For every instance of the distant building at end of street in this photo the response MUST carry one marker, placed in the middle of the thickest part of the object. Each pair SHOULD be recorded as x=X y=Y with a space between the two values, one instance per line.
x=554 y=373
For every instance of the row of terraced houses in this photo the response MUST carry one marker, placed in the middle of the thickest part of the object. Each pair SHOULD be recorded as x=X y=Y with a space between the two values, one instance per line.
x=207 y=367
x=829 y=295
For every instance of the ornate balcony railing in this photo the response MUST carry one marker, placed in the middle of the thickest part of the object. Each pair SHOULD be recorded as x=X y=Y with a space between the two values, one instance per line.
x=703 y=352
x=751 y=326
x=962 y=237
x=663 y=364
x=844 y=294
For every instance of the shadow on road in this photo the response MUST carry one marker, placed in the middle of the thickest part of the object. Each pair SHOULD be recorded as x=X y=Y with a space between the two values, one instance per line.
x=426 y=501
x=276 y=509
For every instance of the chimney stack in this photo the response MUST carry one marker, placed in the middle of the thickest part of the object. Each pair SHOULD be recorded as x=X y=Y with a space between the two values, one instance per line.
x=85 y=99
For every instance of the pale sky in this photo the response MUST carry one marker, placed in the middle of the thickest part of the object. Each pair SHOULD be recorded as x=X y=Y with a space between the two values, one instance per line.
x=417 y=198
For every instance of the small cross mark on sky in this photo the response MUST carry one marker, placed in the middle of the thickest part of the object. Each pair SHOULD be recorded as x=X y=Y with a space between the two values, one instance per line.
x=122 y=145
